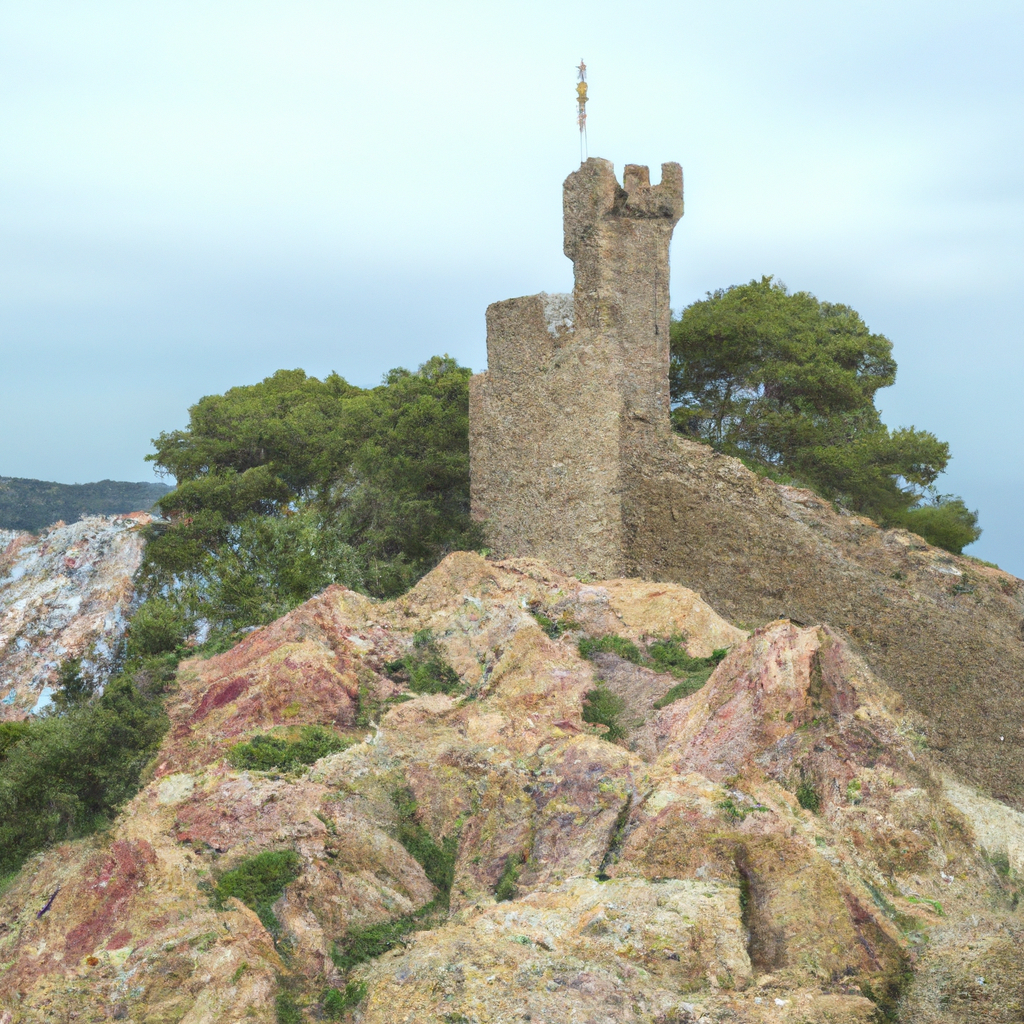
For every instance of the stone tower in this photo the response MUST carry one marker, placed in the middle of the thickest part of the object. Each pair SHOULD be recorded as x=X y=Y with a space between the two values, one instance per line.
x=572 y=460
x=567 y=374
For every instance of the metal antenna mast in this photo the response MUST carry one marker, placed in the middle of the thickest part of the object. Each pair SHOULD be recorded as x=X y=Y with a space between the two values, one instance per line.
x=581 y=108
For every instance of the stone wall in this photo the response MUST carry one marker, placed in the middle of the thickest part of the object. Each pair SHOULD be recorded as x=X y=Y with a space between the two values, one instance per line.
x=573 y=461
x=565 y=373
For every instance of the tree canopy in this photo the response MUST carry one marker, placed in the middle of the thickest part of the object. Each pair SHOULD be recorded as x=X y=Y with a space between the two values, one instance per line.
x=787 y=383
x=293 y=483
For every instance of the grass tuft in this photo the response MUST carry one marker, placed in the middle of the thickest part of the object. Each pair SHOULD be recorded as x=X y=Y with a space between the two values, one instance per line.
x=589 y=646
x=337 y=1001
x=269 y=753
x=424 y=669
x=506 y=889
x=259 y=883
x=602 y=707
x=438 y=863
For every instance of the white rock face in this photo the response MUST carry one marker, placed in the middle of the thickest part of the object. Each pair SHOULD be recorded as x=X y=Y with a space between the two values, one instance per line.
x=65 y=594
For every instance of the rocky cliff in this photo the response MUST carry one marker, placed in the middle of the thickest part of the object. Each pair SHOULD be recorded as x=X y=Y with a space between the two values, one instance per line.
x=65 y=594
x=779 y=845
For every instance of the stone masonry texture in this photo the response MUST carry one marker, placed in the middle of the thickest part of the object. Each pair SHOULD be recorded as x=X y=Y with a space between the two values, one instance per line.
x=573 y=460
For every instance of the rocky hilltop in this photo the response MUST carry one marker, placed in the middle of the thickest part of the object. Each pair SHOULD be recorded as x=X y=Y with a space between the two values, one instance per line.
x=65 y=594
x=574 y=460
x=778 y=844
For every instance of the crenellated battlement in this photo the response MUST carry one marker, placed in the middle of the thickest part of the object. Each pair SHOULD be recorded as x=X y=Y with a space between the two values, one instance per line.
x=592 y=194
x=566 y=373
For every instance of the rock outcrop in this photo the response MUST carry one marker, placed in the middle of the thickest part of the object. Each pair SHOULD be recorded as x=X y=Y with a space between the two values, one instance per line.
x=65 y=594
x=573 y=460
x=778 y=846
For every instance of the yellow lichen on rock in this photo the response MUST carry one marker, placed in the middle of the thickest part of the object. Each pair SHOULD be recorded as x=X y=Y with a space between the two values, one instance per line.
x=778 y=846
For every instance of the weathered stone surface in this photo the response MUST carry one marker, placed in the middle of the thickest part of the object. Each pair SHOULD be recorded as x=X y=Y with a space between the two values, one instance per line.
x=573 y=460
x=673 y=878
x=63 y=595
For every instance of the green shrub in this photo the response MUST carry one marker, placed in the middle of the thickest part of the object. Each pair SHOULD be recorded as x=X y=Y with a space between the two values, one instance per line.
x=11 y=733
x=63 y=775
x=259 y=883
x=664 y=655
x=506 y=889
x=436 y=859
x=602 y=707
x=158 y=625
x=337 y=1002
x=424 y=669
x=287 y=1009
x=669 y=655
x=684 y=689
x=269 y=753
x=73 y=688
x=808 y=797
x=589 y=647
x=360 y=945
x=438 y=863
x=554 y=627
x=945 y=522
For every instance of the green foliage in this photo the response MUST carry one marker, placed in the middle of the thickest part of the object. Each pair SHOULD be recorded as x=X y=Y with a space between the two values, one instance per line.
x=808 y=797
x=424 y=669
x=259 y=883
x=689 y=686
x=944 y=521
x=65 y=774
x=265 y=753
x=11 y=733
x=589 y=647
x=73 y=688
x=669 y=655
x=157 y=627
x=554 y=627
x=338 y=1002
x=602 y=707
x=436 y=859
x=294 y=483
x=662 y=655
x=739 y=812
x=788 y=383
x=506 y=889
x=287 y=1010
x=360 y=945
x=935 y=905
x=438 y=863
x=35 y=504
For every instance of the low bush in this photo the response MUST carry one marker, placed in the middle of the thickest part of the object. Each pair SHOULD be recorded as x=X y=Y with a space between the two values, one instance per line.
x=287 y=1010
x=663 y=655
x=945 y=521
x=808 y=797
x=269 y=753
x=424 y=669
x=684 y=689
x=65 y=774
x=506 y=889
x=553 y=627
x=590 y=646
x=669 y=655
x=438 y=863
x=259 y=883
x=337 y=1001
x=602 y=707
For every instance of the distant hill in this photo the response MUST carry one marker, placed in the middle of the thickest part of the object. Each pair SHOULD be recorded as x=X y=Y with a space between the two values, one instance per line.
x=35 y=504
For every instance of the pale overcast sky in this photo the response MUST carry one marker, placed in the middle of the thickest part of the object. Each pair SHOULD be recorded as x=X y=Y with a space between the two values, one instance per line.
x=195 y=194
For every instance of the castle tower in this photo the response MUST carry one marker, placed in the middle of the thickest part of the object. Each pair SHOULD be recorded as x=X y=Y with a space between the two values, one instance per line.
x=617 y=238
x=567 y=375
